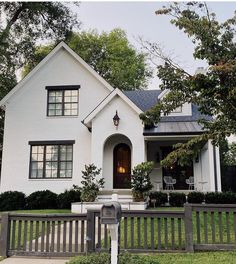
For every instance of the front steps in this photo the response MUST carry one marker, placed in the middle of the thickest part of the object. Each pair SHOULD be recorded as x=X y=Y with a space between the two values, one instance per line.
x=125 y=198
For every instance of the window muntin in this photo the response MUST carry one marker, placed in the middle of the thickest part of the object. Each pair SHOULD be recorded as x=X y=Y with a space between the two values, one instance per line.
x=51 y=161
x=62 y=103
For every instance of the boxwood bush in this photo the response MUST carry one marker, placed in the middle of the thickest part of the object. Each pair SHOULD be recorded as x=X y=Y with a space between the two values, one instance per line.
x=42 y=200
x=220 y=198
x=104 y=258
x=196 y=197
x=177 y=199
x=65 y=199
x=10 y=201
x=160 y=197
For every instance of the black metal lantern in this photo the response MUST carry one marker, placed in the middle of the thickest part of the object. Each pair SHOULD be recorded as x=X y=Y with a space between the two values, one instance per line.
x=116 y=119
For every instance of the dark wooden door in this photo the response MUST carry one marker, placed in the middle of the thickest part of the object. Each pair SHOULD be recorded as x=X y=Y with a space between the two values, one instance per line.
x=121 y=167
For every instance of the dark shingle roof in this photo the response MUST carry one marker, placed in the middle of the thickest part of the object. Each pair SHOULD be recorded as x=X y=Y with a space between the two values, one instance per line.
x=145 y=99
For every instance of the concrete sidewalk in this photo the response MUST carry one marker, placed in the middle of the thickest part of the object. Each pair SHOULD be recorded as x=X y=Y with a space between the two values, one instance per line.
x=30 y=260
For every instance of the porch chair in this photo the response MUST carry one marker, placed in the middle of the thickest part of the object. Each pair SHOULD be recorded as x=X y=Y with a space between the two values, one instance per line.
x=169 y=182
x=190 y=182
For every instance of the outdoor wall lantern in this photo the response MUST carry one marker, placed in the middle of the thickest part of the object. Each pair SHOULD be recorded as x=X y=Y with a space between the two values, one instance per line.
x=116 y=119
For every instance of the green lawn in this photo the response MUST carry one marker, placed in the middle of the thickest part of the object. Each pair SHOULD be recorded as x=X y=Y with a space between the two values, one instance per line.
x=167 y=258
x=228 y=257
x=45 y=211
x=173 y=228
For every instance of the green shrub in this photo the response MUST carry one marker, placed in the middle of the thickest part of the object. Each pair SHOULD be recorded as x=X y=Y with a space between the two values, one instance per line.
x=140 y=180
x=104 y=258
x=160 y=197
x=10 y=201
x=220 y=198
x=177 y=199
x=196 y=197
x=65 y=199
x=42 y=200
x=90 y=184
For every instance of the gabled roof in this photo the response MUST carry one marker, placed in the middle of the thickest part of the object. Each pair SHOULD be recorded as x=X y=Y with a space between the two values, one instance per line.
x=60 y=46
x=116 y=92
x=144 y=99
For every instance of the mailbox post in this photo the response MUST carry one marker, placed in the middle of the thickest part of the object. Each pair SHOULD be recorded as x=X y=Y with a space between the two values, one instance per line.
x=111 y=215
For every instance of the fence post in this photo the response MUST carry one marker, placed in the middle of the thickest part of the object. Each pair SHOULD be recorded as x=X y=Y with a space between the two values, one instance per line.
x=4 y=238
x=188 y=228
x=90 y=231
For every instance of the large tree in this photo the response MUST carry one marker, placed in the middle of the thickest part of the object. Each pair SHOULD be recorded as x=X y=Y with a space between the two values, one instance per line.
x=22 y=25
x=213 y=91
x=109 y=53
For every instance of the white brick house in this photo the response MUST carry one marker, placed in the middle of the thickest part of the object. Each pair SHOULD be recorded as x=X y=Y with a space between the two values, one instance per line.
x=60 y=117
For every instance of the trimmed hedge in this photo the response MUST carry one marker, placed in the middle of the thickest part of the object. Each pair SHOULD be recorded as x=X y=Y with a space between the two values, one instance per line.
x=220 y=198
x=65 y=199
x=42 y=200
x=160 y=197
x=104 y=258
x=196 y=197
x=177 y=199
x=10 y=201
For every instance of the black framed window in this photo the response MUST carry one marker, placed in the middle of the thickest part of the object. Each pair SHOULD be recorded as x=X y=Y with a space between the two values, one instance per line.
x=51 y=160
x=62 y=100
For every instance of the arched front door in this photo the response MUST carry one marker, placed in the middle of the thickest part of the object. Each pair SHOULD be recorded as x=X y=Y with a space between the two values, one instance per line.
x=121 y=166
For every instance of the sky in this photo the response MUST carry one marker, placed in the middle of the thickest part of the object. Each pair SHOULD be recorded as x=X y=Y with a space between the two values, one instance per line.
x=139 y=19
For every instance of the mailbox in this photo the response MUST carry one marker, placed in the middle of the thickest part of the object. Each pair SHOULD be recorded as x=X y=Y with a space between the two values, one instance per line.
x=111 y=213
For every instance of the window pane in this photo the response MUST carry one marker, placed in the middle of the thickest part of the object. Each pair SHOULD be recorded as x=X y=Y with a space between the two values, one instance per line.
x=68 y=92
x=74 y=112
x=69 y=173
x=62 y=174
x=33 y=174
x=74 y=93
x=51 y=113
x=69 y=165
x=58 y=112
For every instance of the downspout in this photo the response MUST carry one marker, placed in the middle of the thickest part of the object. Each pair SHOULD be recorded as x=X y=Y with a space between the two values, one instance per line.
x=215 y=168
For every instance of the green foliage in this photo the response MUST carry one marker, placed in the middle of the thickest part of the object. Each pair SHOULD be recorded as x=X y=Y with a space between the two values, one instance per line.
x=104 y=258
x=177 y=199
x=140 y=180
x=90 y=185
x=220 y=198
x=41 y=200
x=109 y=54
x=214 y=91
x=196 y=197
x=65 y=199
x=160 y=197
x=10 y=201
x=229 y=157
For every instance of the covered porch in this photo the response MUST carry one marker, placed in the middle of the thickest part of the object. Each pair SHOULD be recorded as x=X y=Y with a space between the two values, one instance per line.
x=203 y=174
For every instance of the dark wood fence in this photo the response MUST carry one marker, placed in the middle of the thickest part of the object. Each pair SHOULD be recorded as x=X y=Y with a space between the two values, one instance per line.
x=197 y=227
x=43 y=235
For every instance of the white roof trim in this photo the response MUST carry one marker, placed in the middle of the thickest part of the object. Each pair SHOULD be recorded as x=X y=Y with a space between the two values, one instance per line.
x=61 y=45
x=108 y=99
x=162 y=94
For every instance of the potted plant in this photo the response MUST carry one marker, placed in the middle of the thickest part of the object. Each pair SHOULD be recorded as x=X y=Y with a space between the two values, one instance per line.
x=90 y=185
x=140 y=180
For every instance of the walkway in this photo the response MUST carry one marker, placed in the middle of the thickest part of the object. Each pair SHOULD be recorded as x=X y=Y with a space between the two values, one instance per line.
x=30 y=260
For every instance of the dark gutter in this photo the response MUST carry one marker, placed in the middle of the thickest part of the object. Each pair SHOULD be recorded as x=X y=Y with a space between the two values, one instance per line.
x=52 y=142
x=63 y=87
